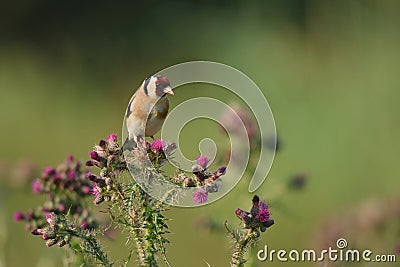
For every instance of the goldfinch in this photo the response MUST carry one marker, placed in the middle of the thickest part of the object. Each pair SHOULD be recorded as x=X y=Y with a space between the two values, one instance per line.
x=147 y=109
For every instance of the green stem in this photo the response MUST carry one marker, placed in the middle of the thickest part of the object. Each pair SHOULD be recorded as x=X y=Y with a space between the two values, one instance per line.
x=91 y=246
x=241 y=243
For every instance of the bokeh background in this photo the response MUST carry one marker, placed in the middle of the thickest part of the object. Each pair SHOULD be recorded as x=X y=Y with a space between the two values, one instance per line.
x=329 y=70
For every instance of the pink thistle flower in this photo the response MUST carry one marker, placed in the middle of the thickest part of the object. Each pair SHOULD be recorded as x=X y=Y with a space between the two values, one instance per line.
x=263 y=215
x=71 y=175
x=262 y=205
x=200 y=196
x=51 y=218
x=202 y=161
x=37 y=187
x=61 y=207
x=57 y=176
x=239 y=212
x=157 y=145
x=95 y=190
x=112 y=137
x=84 y=225
x=49 y=171
x=86 y=190
x=18 y=216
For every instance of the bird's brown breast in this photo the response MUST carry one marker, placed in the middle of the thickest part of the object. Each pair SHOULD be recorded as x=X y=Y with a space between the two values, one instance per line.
x=157 y=116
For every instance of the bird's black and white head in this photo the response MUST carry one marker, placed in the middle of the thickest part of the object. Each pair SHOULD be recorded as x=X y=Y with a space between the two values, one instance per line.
x=157 y=86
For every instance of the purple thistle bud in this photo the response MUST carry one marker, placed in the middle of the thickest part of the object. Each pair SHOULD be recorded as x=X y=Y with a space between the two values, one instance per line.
x=48 y=235
x=89 y=163
x=57 y=176
x=71 y=175
x=157 y=145
x=102 y=144
x=37 y=232
x=98 y=199
x=244 y=216
x=91 y=177
x=49 y=171
x=200 y=196
x=51 y=218
x=86 y=190
x=112 y=137
x=95 y=190
x=221 y=171
x=94 y=155
x=61 y=243
x=18 y=216
x=51 y=242
x=202 y=161
x=84 y=225
x=239 y=213
x=61 y=207
x=45 y=237
x=256 y=200
x=70 y=158
x=263 y=215
x=37 y=187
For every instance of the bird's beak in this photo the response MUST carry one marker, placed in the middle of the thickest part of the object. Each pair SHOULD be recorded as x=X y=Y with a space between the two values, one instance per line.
x=168 y=90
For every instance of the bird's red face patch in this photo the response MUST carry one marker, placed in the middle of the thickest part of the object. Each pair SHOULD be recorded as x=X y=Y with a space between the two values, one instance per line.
x=161 y=83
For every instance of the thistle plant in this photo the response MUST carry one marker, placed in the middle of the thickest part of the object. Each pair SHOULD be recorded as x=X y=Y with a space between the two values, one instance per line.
x=256 y=220
x=72 y=190
x=66 y=217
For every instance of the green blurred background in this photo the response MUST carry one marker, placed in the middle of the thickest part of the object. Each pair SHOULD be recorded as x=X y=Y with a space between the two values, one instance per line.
x=329 y=70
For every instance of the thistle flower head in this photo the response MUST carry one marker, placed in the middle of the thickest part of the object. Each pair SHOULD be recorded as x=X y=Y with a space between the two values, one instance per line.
x=37 y=187
x=202 y=161
x=157 y=144
x=258 y=217
x=18 y=216
x=107 y=154
x=49 y=171
x=200 y=196
x=263 y=215
x=112 y=138
x=95 y=190
x=65 y=188
x=51 y=219
x=241 y=115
